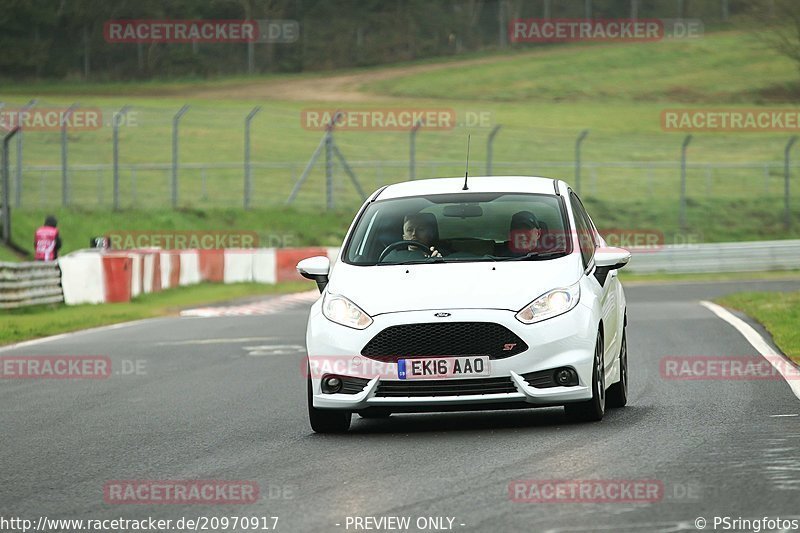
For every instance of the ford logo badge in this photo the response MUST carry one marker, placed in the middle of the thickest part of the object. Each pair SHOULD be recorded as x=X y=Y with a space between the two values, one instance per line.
x=441 y=315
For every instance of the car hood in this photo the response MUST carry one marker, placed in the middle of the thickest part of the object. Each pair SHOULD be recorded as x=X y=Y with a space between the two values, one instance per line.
x=483 y=285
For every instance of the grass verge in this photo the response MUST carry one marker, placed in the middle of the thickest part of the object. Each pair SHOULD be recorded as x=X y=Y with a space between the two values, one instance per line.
x=44 y=320
x=779 y=312
x=276 y=228
x=632 y=278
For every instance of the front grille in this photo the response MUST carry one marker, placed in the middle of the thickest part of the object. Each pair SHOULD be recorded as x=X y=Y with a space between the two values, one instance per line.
x=444 y=339
x=447 y=387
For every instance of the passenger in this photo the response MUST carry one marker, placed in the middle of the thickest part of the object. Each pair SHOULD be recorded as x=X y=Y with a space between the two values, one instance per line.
x=524 y=233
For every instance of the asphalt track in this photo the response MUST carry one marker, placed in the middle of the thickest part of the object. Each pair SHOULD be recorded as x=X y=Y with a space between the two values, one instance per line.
x=224 y=398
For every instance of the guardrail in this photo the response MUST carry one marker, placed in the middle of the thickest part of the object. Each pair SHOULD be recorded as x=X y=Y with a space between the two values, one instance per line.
x=33 y=283
x=757 y=256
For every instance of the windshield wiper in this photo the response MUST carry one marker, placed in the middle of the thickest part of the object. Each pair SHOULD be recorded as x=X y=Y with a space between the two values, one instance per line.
x=533 y=256
x=425 y=261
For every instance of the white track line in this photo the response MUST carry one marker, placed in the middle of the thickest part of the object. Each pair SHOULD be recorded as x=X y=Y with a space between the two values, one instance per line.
x=759 y=343
x=232 y=340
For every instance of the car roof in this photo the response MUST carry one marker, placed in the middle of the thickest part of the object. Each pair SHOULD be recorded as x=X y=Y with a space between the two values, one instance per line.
x=510 y=184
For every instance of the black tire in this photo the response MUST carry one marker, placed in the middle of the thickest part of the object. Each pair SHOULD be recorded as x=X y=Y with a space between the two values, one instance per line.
x=594 y=409
x=617 y=395
x=327 y=420
x=375 y=413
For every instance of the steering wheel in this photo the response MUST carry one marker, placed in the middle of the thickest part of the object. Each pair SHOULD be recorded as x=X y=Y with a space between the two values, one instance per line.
x=400 y=244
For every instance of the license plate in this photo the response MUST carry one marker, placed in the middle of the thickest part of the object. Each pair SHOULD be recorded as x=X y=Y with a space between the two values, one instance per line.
x=443 y=367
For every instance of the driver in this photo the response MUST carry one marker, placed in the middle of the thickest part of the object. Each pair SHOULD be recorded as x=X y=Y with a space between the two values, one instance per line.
x=421 y=227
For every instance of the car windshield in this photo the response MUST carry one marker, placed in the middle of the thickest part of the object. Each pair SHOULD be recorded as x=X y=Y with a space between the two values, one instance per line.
x=462 y=227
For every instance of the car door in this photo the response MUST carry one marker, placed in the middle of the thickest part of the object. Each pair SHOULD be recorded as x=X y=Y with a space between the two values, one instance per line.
x=604 y=285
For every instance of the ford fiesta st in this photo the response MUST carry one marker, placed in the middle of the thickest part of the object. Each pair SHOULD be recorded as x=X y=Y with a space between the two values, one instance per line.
x=447 y=294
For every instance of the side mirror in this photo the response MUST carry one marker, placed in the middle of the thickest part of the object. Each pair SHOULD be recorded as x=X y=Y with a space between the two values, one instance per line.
x=316 y=268
x=607 y=259
x=611 y=258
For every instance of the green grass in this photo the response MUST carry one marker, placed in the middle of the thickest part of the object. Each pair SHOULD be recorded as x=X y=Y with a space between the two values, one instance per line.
x=7 y=255
x=728 y=67
x=779 y=312
x=275 y=227
x=154 y=87
x=40 y=321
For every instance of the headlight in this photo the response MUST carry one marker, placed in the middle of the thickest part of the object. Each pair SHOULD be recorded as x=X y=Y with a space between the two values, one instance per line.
x=550 y=304
x=342 y=311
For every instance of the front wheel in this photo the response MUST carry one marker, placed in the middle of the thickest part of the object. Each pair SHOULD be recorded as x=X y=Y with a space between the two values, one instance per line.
x=594 y=409
x=326 y=420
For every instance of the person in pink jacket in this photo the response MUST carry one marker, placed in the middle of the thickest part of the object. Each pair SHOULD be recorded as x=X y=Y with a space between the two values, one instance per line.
x=47 y=241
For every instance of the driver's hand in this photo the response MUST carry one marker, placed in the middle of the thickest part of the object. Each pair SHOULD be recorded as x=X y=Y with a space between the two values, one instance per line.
x=434 y=253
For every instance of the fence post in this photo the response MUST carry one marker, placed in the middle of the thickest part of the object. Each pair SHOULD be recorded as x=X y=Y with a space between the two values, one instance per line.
x=502 y=26
x=489 y=148
x=204 y=180
x=578 y=143
x=412 y=151
x=587 y=9
x=247 y=181
x=115 y=142
x=329 y=169
x=634 y=9
x=64 y=179
x=18 y=176
x=6 y=182
x=787 y=213
x=766 y=179
x=684 y=146
x=175 y=121
x=133 y=185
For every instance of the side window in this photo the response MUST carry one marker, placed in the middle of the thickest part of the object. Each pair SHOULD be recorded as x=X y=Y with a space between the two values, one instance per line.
x=583 y=229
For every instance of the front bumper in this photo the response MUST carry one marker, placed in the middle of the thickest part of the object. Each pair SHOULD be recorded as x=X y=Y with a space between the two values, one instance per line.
x=567 y=340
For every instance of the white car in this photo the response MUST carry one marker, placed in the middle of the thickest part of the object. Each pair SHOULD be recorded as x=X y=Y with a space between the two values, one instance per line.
x=448 y=294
